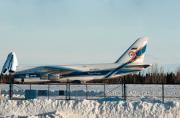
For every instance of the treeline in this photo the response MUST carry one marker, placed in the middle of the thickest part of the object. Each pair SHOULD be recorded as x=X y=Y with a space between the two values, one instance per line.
x=4 y=78
x=168 y=78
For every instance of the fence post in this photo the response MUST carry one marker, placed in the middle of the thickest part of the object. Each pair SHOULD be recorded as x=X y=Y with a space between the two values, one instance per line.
x=10 y=90
x=48 y=91
x=11 y=87
x=124 y=88
x=162 y=92
x=30 y=86
x=104 y=90
x=68 y=91
x=86 y=91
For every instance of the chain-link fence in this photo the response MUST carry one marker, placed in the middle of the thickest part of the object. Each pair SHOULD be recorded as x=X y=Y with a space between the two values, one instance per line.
x=91 y=91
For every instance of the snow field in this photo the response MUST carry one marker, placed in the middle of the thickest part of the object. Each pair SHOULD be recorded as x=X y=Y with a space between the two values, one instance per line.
x=112 y=107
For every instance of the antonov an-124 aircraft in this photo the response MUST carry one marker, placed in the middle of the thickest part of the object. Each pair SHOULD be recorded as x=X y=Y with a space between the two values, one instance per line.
x=131 y=61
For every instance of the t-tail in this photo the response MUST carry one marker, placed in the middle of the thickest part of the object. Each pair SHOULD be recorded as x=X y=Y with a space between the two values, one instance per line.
x=10 y=64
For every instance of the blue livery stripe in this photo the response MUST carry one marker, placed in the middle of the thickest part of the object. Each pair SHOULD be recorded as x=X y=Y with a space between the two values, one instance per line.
x=141 y=51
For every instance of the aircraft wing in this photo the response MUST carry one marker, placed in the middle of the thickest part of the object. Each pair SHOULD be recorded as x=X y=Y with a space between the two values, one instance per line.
x=47 y=70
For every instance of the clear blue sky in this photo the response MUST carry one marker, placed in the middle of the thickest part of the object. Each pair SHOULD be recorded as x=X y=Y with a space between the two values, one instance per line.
x=88 y=31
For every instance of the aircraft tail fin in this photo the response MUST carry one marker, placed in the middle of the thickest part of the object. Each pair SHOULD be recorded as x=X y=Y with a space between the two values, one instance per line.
x=10 y=64
x=135 y=53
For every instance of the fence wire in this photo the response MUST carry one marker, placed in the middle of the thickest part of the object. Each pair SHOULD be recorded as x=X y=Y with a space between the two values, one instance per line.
x=92 y=91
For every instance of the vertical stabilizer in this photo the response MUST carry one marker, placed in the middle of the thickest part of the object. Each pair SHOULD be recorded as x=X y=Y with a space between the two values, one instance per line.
x=10 y=64
x=135 y=53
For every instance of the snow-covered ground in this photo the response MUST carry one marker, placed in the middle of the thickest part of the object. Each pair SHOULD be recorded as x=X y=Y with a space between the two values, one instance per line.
x=112 y=107
x=144 y=101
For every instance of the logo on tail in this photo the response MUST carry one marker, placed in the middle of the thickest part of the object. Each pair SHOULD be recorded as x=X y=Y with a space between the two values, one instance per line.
x=132 y=54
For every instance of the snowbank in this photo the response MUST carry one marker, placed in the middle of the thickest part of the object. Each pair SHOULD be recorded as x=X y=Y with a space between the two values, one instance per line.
x=106 y=108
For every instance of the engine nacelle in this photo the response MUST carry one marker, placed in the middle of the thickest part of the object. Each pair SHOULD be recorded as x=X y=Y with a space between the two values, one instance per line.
x=53 y=76
x=10 y=64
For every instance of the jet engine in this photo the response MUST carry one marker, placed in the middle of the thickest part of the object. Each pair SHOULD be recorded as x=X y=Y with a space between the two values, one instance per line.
x=53 y=76
x=10 y=64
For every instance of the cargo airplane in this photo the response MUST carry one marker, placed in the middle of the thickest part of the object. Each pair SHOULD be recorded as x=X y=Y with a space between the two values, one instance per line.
x=132 y=60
